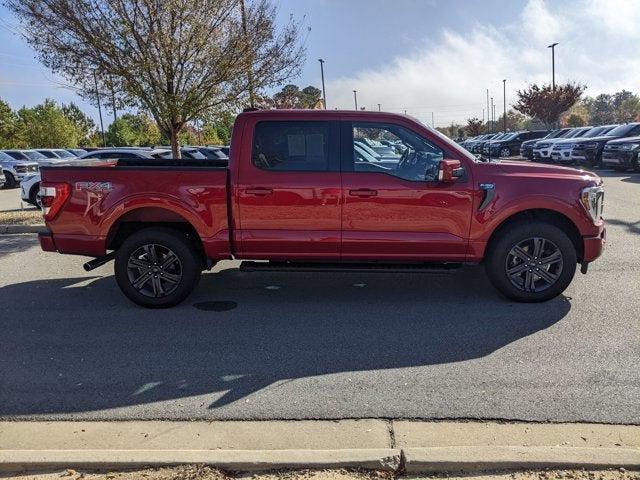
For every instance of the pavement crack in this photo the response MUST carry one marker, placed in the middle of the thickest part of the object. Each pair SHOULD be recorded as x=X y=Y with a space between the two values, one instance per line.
x=392 y=434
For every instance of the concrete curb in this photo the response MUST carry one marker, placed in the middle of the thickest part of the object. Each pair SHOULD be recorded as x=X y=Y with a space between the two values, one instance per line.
x=10 y=229
x=411 y=460
x=234 y=460
x=478 y=459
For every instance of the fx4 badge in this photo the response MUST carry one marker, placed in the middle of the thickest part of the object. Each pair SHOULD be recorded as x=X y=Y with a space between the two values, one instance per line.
x=96 y=191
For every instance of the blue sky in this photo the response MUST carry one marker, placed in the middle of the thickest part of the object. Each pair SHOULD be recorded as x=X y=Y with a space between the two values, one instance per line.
x=422 y=56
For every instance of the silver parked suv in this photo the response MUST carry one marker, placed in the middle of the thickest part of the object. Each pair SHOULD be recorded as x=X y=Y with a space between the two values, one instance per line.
x=15 y=170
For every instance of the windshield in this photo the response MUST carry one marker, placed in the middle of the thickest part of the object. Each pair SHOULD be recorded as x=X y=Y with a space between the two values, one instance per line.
x=5 y=157
x=64 y=154
x=594 y=132
x=622 y=130
x=578 y=132
x=34 y=155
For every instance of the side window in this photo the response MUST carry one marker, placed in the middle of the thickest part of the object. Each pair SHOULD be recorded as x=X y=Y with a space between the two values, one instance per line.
x=291 y=146
x=394 y=150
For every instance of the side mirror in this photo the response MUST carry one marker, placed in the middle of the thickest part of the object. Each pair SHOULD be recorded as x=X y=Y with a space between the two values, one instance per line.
x=449 y=171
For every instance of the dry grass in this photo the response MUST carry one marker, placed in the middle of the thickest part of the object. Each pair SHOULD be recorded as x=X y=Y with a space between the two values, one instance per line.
x=21 y=217
x=200 y=472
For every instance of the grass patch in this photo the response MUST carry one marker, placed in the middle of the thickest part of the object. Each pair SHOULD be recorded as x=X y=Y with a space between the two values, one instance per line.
x=21 y=217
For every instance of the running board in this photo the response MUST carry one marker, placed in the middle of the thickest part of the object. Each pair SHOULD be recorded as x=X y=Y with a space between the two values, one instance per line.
x=251 y=266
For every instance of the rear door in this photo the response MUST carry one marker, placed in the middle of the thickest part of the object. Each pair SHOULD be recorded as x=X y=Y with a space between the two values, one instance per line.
x=288 y=190
x=401 y=212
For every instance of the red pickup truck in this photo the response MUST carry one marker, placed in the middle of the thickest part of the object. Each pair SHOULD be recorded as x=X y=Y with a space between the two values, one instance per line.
x=318 y=188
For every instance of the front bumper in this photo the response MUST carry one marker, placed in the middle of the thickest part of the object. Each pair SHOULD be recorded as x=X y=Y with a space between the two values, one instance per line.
x=627 y=159
x=561 y=155
x=594 y=246
x=541 y=154
x=583 y=155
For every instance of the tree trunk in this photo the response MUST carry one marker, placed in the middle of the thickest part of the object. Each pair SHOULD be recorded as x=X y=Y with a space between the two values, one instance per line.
x=175 y=144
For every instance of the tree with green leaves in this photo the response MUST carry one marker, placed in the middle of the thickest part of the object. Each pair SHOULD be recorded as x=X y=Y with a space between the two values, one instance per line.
x=292 y=97
x=46 y=126
x=474 y=127
x=175 y=59
x=515 y=121
x=8 y=126
x=85 y=126
x=602 y=110
x=548 y=103
x=133 y=130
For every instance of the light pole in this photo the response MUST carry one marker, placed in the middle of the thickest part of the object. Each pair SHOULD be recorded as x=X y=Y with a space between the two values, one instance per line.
x=492 y=112
x=355 y=98
x=504 y=102
x=553 y=64
x=379 y=107
x=324 y=93
x=488 y=111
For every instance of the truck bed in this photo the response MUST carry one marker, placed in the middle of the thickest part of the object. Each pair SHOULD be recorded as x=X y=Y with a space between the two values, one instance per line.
x=109 y=195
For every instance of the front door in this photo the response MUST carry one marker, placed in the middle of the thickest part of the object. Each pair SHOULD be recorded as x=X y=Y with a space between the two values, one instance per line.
x=394 y=207
x=288 y=191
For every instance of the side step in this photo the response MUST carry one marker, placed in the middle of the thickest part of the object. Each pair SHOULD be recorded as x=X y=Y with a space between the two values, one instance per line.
x=252 y=266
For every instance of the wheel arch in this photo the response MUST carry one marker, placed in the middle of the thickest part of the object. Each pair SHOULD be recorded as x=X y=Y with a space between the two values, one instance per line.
x=143 y=217
x=550 y=216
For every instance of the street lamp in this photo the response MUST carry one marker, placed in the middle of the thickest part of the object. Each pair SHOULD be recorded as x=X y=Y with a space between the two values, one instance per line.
x=504 y=101
x=355 y=98
x=553 y=64
x=324 y=93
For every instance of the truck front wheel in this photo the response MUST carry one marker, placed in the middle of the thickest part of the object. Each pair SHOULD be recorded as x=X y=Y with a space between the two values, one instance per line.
x=157 y=267
x=531 y=262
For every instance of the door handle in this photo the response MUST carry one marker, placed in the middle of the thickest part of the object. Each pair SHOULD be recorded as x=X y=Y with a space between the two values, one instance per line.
x=261 y=191
x=363 y=192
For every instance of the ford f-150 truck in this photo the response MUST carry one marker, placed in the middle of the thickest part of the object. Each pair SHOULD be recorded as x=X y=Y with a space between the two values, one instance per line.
x=299 y=193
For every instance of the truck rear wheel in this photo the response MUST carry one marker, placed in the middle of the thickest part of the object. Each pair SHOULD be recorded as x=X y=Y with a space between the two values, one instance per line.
x=157 y=267
x=531 y=262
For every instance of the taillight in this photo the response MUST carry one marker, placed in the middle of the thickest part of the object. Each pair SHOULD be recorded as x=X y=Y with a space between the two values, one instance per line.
x=53 y=196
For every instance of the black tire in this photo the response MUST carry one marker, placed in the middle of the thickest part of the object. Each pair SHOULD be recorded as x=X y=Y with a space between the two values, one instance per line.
x=10 y=180
x=502 y=256
x=34 y=198
x=184 y=271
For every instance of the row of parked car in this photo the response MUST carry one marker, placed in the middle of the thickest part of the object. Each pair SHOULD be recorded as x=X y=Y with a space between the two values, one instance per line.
x=21 y=167
x=615 y=146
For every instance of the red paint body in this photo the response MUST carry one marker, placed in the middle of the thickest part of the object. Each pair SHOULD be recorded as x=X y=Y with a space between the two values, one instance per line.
x=246 y=212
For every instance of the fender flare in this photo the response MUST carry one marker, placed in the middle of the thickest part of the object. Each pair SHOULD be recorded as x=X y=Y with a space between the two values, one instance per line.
x=158 y=201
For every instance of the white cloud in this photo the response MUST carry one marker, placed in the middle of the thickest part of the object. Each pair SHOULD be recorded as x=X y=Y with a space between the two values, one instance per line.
x=449 y=75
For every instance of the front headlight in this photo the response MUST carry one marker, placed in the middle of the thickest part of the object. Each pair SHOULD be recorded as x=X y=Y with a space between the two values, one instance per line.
x=590 y=145
x=629 y=146
x=592 y=199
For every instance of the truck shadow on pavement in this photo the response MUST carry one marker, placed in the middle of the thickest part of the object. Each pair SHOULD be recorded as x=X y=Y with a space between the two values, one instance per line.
x=80 y=346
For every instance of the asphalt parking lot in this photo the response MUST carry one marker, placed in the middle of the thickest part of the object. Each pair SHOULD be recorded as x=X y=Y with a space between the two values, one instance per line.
x=324 y=345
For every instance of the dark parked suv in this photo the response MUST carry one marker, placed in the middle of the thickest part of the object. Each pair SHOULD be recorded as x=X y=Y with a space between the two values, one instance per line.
x=622 y=154
x=509 y=145
x=526 y=148
x=589 y=150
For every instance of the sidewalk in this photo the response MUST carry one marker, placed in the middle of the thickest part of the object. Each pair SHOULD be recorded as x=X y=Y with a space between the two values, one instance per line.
x=370 y=444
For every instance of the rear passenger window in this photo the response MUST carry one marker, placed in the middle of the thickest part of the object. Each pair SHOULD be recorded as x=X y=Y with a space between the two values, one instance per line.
x=291 y=146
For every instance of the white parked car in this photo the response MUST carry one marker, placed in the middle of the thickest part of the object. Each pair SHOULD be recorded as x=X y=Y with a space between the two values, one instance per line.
x=30 y=189
x=15 y=170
